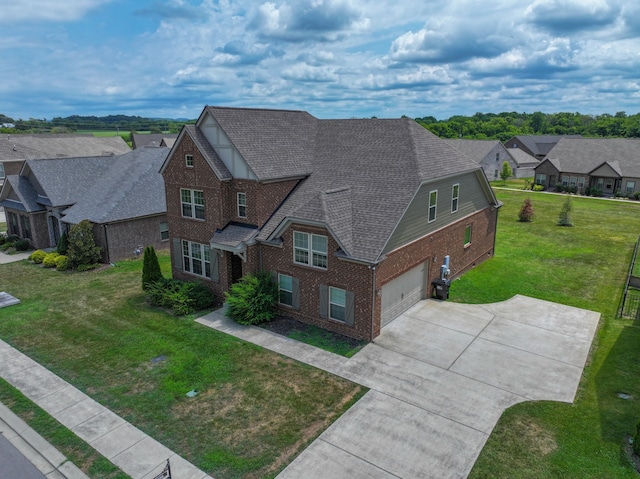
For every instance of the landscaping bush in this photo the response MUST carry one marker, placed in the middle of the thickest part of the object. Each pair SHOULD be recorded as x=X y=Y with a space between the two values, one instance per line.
x=49 y=260
x=62 y=263
x=63 y=244
x=565 y=214
x=183 y=297
x=538 y=188
x=22 y=245
x=85 y=267
x=82 y=249
x=559 y=188
x=526 y=212
x=252 y=300
x=150 y=267
x=3 y=239
x=37 y=256
x=596 y=192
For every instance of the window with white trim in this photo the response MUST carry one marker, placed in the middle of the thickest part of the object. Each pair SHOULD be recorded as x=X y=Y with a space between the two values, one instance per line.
x=565 y=180
x=310 y=249
x=467 y=235
x=433 y=205
x=631 y=186
x=188 y=161
x=242 y=205
x=164 y=231
x=285 y=289
x=337 y=304
x=196 y=258
x=455 y=194
x=541 y=179
x=580 y=181
x=192 y=203
x=1 y=171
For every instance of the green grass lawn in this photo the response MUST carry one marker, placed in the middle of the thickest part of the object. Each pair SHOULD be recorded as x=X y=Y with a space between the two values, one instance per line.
x=584 y=266
x=254 y=411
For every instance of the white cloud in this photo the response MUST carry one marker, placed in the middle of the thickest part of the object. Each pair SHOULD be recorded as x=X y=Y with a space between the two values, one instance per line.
x=47 y=10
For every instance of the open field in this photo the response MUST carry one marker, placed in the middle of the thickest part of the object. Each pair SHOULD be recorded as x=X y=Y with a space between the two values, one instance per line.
x=584 y=266
x=255 y=409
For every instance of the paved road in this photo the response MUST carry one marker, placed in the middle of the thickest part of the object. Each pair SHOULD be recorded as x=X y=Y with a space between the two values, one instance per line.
x=14 y=465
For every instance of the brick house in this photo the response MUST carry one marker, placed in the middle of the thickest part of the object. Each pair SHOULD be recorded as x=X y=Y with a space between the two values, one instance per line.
x=352 y=217
x=123 y=197
x=537 y=146
x=608 y=164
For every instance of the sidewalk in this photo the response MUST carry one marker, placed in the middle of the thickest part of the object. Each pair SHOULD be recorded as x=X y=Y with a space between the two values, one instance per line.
x=126 y=446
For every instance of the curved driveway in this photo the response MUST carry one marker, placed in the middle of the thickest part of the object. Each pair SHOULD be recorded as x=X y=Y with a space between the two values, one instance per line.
x=440 y=375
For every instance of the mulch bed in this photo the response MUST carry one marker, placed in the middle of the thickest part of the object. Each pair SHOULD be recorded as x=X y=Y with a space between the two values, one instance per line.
x=285 y=325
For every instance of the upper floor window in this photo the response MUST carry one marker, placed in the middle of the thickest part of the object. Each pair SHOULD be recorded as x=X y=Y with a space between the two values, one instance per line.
x=192 y=203
x=310 y=249
x=242 y=205
x=497 y=156
x=433 y=205
x=188 y=160
x=455 y=193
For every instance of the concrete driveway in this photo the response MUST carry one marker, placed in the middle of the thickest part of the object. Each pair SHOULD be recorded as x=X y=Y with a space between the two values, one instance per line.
x=441 y=376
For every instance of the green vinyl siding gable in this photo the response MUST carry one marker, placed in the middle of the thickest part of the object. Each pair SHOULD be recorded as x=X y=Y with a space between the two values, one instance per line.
x=414 y=223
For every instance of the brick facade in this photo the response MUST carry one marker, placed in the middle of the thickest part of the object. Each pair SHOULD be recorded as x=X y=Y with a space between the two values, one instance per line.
x=119 y=240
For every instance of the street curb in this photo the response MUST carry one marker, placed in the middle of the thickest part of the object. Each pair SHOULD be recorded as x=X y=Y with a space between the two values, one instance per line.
x=46 y=458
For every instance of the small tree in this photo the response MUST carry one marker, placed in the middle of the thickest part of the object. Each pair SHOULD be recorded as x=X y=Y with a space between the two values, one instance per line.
x=526 y=212
x=150 y=267
x=63 y=244
x=565 y=214
x=506 y=171
x=252 y=300
x=82 y=249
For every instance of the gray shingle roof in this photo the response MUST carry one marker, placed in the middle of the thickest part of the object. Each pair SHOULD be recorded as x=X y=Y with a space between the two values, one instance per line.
x=233 y=235
x=375 y=166
x=275 y=143
x=66 y=146
x=583 y=155
x=24 y=191
x=209 y=154
x=540 y=145
x=141 y=140
x=132 y=187
x=522 y=158
x=477 y=150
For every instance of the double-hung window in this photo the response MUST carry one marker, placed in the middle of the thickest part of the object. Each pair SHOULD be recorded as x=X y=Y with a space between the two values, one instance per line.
x=467 y=235
x=192 y=203
x=433 y=205
x=188 y=161
x=455 y=194
x=164 y=231
x=196 y=258
x=337 y=304
x=1 y=171
x=242 y=205
x=631 y=186
x=310 y=249
x=541 y=179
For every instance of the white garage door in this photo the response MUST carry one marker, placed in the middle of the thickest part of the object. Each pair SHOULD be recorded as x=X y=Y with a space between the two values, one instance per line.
x=401 y=293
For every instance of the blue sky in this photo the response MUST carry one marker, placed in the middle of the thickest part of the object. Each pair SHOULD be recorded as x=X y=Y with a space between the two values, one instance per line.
x=333 y=58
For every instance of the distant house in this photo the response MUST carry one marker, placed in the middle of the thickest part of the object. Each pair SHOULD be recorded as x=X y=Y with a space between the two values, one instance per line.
x=537 y=146
x=608 y=164
x=525 y=162
x=490 y=154
x=139 y=140
x=15 y=149
x=123 y=196
x=353 y=218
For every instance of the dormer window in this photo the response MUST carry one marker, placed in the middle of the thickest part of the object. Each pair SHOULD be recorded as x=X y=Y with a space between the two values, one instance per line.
x=188 y=161
x=242 y=205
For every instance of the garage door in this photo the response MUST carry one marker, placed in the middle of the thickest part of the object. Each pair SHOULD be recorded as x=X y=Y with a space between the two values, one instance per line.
x=403 y=292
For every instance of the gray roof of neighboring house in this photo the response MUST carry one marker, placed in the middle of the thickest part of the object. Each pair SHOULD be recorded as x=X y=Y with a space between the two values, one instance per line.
x=140 y=140
x=539 y=145
x=583 y=155
x=522 y=158
x=64 y=146
x=275 y=143
x=132 y=187
x=10 y=150
x=24 y=190
x=477 y=150
x=365 y=174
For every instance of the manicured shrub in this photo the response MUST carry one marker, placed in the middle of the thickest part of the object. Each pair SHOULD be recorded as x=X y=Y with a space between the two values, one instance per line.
x=49 y=261
x=182 y=297
x=12 y=238
x=596 y=192
x=150 y=267
x=538 y=188
x=3 y=238
x=559 y=188
x=82 y=249
x=22 y=245
x=63 y=244
x=86 y=267
x=565 y=214
x=636 y=195
x=252 y=300
x=37 y=256
x=526 y=213
x=62 y=263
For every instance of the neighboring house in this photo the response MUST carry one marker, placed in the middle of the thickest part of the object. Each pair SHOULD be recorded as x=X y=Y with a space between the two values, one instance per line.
x=490 y=154
x=15 y=149
x=139 y=140
x=352 y=217
x=123 y=196
x=524 y=161
x=609 y=164
x=537 y=146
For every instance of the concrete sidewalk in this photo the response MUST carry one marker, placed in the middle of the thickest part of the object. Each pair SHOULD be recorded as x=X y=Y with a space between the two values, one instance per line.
x=440 y=377
x=12 y=258
x=126 y=446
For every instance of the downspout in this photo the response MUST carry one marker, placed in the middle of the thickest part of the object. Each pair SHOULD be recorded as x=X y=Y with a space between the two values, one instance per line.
x=106 y=243
x=373 y=300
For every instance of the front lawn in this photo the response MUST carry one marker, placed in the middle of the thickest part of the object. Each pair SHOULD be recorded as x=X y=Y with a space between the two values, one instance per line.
x=254 y=412
x=584 y=266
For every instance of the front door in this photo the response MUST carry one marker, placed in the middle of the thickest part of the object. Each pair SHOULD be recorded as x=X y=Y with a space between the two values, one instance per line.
x=236 y=268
